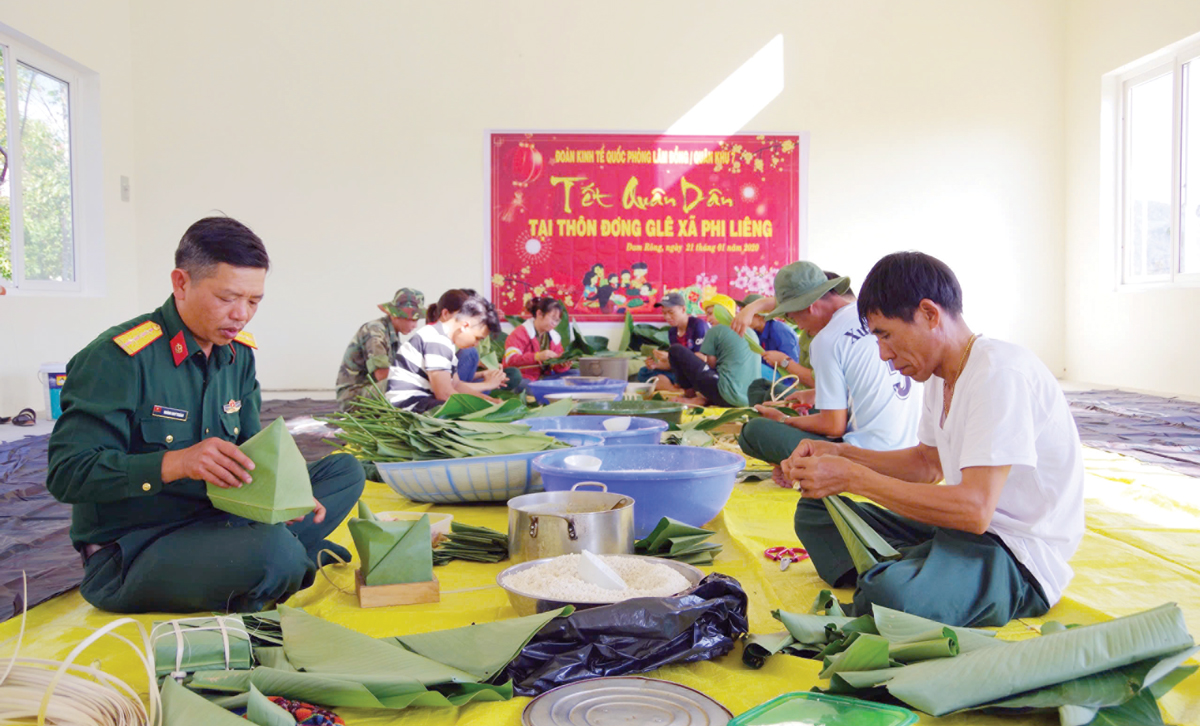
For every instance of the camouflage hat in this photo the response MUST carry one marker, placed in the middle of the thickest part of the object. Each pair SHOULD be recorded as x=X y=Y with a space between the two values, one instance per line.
x=407 y=303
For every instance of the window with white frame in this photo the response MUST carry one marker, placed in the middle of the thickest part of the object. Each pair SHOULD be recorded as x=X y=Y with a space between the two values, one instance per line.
x=1158 y=167
x=41 y=248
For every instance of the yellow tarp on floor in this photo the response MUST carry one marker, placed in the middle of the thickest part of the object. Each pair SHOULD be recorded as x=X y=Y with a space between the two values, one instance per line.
x=1141 y=549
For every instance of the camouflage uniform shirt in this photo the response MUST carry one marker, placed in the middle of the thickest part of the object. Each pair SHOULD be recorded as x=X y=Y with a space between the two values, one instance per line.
x=374 y=346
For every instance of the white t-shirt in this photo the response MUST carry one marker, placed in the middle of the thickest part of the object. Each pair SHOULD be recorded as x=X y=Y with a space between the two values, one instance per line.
x=429 y=349
x=884 y=407
x=1007 y=409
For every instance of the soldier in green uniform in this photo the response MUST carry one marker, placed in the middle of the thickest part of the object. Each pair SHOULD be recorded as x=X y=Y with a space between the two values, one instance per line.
x=155 y=407
x=375 y=345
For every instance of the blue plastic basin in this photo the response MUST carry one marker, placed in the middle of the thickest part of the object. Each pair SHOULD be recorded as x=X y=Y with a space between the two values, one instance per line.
x=541 y=388
x=687 y=483
x=640 y=431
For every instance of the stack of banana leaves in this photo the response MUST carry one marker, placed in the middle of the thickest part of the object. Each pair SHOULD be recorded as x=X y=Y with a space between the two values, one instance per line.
x=309 y=659
x=1108 y=673
x=674 y=540
x=474 y=544
x=376 y=431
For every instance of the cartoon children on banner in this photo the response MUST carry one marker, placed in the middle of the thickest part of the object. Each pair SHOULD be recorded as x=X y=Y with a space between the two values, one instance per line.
x=616 y=292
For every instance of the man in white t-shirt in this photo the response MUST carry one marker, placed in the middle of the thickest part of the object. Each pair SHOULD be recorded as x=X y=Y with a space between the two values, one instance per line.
x=859 y=398
x=994 y=542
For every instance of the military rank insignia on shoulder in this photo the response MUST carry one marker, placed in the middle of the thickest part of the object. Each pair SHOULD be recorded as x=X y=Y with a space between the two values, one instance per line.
x=134 y=339
x=246 y=339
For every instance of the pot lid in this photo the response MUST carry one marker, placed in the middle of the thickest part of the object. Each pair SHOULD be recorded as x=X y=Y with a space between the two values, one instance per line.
x=624 y=700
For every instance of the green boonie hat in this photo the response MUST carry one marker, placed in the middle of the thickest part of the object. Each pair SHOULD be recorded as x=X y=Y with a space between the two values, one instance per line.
x=800 y=284
x=752 y=297
x=407 y=303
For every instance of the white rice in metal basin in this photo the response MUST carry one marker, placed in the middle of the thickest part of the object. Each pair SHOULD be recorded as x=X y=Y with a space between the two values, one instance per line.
x=559 y=580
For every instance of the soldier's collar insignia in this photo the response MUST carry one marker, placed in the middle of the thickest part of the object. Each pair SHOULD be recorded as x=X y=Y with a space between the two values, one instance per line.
x=179 y=351
x=233 y=406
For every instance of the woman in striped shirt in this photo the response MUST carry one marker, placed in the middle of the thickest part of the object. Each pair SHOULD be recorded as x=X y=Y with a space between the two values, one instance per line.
x=425 y=373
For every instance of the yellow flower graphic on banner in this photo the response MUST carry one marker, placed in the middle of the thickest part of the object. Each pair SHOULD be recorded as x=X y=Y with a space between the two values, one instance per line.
x=497 y=279
x=788 y=146
x=758 y=165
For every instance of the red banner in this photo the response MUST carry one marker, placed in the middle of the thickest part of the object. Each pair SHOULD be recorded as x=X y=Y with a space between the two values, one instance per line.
x=612 y=222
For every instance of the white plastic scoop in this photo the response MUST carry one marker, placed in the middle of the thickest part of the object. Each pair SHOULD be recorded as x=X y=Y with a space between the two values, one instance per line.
x=593 y=570
x=618 y=423
x=582 y=462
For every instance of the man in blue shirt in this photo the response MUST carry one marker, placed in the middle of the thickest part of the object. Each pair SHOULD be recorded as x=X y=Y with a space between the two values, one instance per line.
x=776 y=336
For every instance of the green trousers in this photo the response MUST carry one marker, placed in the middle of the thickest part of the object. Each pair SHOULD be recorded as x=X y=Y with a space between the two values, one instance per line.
x=947 y=575
x=221 y=562
x=772 y=441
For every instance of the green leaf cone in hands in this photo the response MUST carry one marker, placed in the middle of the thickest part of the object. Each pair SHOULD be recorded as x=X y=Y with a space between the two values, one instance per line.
x=279 y=490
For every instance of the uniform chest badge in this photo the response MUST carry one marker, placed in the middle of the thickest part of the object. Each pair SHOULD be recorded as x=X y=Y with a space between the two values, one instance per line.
x=233 y=406
x=175 y=414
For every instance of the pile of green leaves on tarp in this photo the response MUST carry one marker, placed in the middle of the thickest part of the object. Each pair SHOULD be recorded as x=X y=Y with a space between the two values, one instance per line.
x=474 y=544
x=376 y=431
x=1110 y=673
x=328 y=665
x=465 y=407
x=674 y=540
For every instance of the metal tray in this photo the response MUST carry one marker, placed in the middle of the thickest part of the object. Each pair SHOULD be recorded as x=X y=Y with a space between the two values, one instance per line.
x=625 y=700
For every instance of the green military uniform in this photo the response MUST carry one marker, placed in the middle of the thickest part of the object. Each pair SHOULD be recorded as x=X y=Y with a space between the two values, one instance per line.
x=142 y=389
x=373 y=347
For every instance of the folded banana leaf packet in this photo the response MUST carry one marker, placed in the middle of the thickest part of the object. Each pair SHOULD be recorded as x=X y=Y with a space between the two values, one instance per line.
x=392 y=553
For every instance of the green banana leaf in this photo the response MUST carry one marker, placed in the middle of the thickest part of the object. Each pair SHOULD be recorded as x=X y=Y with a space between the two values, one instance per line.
x=558 y=408
x=262 y=711
x=474 y=544
x=318 y=646
x=201 y=644
x=393 y=553
x=279 y=490
x=864 y=652
x=181 y=707
x=483 y=649
x=866 y=546
x=900 y=627
x=626 y=333
x=674 y=540
x=725 y=318
x=811 y=629
x=982 y=676
x=378 y=432
x=943 y=647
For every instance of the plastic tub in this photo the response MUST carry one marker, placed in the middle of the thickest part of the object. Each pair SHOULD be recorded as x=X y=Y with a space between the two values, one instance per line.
x=540 y=388
x=640 y=431
x=53 y=376
x=687 y=483
x=476 y=478
x=668 y=411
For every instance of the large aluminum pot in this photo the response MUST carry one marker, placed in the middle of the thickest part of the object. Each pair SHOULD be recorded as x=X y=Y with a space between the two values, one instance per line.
x=549 y=524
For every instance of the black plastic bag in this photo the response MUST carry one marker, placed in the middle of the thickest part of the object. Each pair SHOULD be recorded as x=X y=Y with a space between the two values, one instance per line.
x=634 y=636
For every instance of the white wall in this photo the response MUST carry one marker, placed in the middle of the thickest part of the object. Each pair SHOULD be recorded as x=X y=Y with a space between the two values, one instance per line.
x=350 y=136
x=34 y=330
x=1142 y=339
